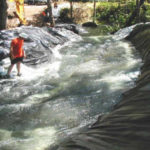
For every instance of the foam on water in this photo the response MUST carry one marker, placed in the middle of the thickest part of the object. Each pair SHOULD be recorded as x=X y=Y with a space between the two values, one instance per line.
x=84 y=79
x=37 y=139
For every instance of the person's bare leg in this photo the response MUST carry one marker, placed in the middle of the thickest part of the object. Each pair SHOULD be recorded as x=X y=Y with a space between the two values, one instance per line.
x=10 y=69
x=18 y=68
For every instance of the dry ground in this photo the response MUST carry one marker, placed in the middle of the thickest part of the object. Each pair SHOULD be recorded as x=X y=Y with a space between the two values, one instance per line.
x=32 y=13
x=82 y=13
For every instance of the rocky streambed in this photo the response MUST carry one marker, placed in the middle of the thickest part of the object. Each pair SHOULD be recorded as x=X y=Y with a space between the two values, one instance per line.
x=33 y=111
x=40 y=42
x=127 y=127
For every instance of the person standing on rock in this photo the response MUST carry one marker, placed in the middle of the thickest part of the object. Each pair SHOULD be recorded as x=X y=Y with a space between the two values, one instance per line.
x=17 y=53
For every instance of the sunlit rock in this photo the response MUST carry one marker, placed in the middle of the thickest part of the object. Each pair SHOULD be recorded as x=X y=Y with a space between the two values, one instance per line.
x=40 y=42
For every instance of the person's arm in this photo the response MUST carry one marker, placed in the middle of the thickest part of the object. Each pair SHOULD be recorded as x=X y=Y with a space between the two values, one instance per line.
x=11 y=52
x=24 y=54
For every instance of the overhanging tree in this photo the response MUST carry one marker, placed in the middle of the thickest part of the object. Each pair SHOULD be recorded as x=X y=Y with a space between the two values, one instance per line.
x=3 y=14
x=136 y=12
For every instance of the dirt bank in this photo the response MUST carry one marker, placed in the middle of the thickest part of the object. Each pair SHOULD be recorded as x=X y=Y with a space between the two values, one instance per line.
x=32 y=14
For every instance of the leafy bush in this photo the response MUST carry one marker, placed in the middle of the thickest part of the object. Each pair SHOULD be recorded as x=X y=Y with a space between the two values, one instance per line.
x=147 y=13
x=114 y=14
x=65 y=15
x=80 y=14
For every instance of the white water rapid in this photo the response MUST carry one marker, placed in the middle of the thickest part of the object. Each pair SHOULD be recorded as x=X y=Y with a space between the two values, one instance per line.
x=85 y=79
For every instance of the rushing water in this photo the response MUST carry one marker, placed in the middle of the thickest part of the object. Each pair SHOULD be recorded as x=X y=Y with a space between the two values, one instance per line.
x=85 y=79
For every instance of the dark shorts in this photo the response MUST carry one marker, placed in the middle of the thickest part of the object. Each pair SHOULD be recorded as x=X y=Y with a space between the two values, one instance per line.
x=16 y=60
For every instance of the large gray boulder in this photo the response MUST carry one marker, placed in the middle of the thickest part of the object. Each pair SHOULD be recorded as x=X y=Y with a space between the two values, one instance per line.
x=40 y=42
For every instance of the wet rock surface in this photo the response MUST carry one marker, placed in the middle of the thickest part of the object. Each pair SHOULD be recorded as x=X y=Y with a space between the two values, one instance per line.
x=127 y=127
x=89 y=24
x=39 y=44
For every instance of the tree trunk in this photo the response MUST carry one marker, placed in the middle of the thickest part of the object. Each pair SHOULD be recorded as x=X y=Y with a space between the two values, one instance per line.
x=71 y=9
x=3 y=14
x=94 y=13
x=49 y=6
x=136 y=12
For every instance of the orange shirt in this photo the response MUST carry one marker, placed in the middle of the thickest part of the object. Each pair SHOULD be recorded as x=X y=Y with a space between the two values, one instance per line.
x=43 y=13
x=17 y=47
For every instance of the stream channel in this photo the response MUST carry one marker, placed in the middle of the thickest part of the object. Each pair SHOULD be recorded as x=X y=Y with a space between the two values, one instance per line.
x=85 y=79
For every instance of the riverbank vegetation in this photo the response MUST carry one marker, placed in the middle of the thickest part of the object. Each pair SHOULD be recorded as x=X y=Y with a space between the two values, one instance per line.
x=118 y=14
x=115 y=14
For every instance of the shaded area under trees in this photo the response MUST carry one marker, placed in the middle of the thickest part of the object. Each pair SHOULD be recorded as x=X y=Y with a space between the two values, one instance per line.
x=136 y=13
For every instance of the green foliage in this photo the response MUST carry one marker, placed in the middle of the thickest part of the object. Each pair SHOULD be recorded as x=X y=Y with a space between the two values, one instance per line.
x=114 y=14
x=147 y=13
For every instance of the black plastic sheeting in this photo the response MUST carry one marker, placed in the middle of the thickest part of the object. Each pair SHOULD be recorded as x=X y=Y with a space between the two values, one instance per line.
x=40 y=42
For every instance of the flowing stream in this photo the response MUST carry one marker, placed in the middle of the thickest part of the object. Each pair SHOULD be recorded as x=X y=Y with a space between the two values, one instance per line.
x=47 y=103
